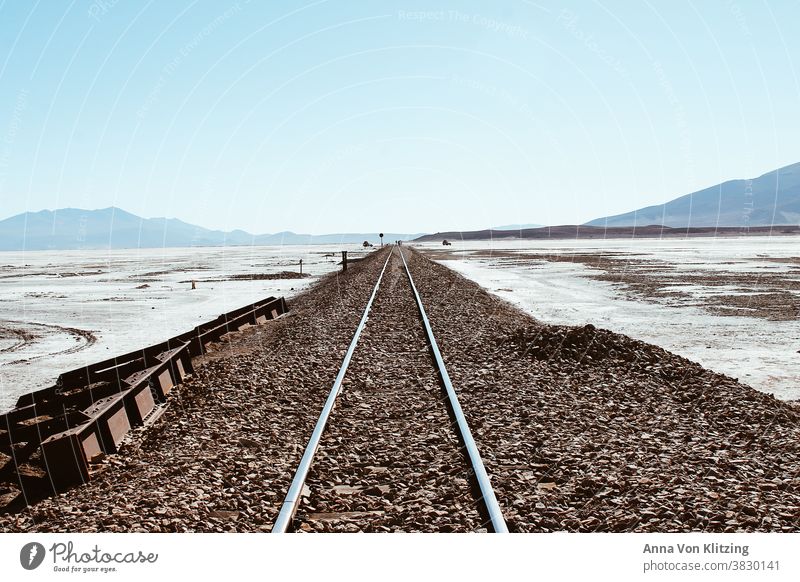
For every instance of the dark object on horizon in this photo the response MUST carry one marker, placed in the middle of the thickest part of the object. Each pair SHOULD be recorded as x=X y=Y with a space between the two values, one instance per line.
x=381 y=235
x=447 y=243
x=366 y=244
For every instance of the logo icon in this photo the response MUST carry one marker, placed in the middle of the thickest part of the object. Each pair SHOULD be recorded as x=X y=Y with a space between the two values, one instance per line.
x=31 y=555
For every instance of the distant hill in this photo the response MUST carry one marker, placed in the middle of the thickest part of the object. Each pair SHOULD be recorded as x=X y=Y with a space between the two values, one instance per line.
x=114 y=228
x=582 y=231
x=517 y=226
x=775 y=200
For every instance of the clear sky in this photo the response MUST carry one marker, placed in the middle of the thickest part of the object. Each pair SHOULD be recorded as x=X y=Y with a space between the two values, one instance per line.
x=334 y=116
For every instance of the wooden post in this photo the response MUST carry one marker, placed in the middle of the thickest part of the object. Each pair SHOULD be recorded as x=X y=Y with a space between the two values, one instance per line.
x=301 y=266
x=344 y=260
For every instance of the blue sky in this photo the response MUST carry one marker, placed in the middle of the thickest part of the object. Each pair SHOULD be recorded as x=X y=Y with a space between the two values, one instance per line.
x=399 y=116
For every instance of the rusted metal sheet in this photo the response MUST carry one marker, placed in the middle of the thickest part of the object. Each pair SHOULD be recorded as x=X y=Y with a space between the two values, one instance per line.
x=90 y=409
x=214 y=330
x=118 y=367
x=139 y=403
x=165 y=383
x=163 y=377
x=112 y=421
x=37 y=428
x=67 y=455
x=179 y=367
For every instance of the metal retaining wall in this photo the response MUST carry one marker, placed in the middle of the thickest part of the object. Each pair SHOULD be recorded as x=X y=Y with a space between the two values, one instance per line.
x=85 y=415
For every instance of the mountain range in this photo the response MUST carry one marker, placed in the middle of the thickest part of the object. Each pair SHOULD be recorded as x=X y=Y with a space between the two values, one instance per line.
x=770 y=199
x=583 y=231
x=769 y=204
x=114 y=228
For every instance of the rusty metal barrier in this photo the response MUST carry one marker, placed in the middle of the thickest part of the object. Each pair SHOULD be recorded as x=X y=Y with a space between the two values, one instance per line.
x=235 y=320
x=66 y=455
x=90 y=409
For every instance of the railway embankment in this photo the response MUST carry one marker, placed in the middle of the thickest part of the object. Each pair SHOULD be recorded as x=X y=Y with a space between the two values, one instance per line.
x=580 y=429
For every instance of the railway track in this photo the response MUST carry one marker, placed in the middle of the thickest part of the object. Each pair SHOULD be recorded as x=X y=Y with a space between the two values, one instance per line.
x=391 y=450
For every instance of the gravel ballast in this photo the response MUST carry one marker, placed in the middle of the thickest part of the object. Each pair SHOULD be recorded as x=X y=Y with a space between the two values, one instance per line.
x=222 y=456
x=587 y=430
x=580 y=429
x=390 y=458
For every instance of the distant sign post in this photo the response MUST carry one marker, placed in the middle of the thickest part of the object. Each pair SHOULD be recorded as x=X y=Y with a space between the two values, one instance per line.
x=381 y=235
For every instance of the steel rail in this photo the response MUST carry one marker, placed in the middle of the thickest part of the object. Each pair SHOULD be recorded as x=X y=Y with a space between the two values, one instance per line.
x=292 y=500
x=485 y=485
